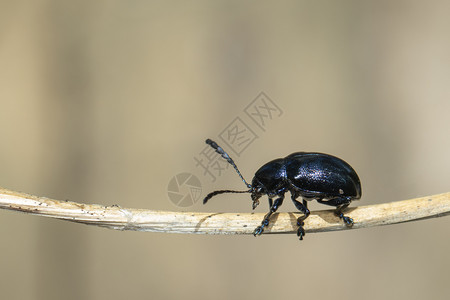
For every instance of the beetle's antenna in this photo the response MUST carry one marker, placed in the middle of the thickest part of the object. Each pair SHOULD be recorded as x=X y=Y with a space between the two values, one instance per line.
x=228 y=158
x=212 y=194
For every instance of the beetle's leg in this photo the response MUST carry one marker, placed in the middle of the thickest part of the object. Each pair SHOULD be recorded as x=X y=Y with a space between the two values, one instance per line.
x=273 y=208
x=340 y=214
x=270 y=202
x=300 y=221
x=341 y=204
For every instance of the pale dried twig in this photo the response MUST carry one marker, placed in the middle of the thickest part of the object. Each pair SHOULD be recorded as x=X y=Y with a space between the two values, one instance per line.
x=115 y=217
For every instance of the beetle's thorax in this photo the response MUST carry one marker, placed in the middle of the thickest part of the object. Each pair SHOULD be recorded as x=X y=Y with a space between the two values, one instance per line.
x=271 y=178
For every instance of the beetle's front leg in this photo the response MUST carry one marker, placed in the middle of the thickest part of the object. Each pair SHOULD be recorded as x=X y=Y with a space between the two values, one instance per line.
x=273 y=208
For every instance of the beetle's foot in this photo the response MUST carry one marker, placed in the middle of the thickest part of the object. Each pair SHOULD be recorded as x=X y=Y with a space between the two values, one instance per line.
x=255 y=204
x=347 y=220
x=258 y=230
x=300 y=231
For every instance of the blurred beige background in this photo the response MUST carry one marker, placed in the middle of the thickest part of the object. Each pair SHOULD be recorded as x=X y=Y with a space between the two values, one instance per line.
x=105 y=101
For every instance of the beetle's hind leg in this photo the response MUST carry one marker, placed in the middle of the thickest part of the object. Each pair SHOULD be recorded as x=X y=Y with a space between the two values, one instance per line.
x=273 y=208
x=341 y=204
x=300 y=220
x=339 y=212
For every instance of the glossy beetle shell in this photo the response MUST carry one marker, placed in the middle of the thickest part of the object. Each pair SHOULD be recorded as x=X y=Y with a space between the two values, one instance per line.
x=311 y=175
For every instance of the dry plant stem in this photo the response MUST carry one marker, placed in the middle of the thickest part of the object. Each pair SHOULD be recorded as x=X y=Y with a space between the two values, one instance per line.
x=115 y=217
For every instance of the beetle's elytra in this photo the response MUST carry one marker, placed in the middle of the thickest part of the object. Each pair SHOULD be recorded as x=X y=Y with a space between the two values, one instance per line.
x=309 y=175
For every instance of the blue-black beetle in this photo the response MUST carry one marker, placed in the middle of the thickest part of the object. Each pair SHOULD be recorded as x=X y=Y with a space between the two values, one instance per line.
x=312 y=176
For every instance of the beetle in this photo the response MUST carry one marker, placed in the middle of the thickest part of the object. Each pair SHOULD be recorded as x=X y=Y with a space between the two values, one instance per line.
x=309 y=175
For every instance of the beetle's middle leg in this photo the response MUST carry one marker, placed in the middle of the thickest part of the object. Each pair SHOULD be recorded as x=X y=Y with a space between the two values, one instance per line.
x=304 y=209
x=274 y=205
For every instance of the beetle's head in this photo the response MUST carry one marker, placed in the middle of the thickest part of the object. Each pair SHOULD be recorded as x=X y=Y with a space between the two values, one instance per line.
x=257 y=191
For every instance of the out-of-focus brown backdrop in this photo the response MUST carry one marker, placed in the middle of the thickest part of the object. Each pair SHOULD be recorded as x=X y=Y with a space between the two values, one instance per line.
x=105 y=101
